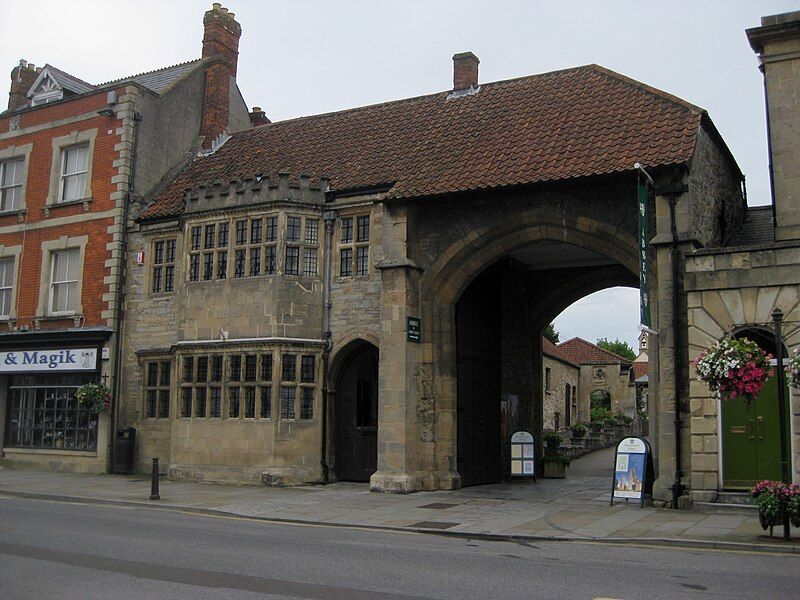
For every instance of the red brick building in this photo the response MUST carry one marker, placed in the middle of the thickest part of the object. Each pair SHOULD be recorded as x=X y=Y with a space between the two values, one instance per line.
x=75 y=161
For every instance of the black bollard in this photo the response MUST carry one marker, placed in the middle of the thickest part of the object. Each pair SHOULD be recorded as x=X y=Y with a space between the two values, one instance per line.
x=154 y=481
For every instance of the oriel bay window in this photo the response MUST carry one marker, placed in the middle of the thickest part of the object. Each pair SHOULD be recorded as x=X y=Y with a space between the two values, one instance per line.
x=230 y=385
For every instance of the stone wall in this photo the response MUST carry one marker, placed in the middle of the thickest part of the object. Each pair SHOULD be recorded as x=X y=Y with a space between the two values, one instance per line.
x=725 y=291
x=561 y=375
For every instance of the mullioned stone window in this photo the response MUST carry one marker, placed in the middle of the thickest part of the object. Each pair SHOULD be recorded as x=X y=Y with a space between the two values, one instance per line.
x=298 y=381
x=354 y=234
x=162 y=275
x=156 y=389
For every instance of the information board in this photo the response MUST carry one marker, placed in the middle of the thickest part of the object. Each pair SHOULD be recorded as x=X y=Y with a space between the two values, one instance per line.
x=413 y=329
x=632 y=470
x=523 y=460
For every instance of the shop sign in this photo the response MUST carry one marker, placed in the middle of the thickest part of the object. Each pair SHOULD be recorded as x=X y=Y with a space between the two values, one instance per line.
x=633 y=471
x=523 y=463
x=51 y=360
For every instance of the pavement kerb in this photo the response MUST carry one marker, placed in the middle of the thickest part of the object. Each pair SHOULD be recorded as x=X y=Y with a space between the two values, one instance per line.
x=498 y=537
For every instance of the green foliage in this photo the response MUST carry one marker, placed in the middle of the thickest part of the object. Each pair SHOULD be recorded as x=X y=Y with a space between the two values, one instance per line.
x=619 y=347
x=600 y=415
x=551 y=437
x=578 y=430
x=550 y=333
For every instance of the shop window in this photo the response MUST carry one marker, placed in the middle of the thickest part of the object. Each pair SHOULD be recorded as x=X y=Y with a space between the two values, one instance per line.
x=6 y=286
x=74 y=168
x=12 y=174
x=63 y=281
x=156 y=390
x=44 y=413
x=163 y=275
x=354 y=250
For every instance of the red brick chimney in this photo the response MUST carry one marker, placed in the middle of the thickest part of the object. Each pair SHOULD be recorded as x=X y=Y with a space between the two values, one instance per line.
x=465 y=71
x=259 y=117
x=221 y=46
x=22 y=78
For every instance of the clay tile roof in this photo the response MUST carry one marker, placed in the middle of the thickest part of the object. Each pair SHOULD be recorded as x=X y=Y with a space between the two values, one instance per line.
x=573 y=123
x=553 y=351
x=587 y=353
x=639 y=369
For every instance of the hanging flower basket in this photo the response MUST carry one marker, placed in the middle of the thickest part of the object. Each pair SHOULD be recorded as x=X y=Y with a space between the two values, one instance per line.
x=734 y=369
x=94 y=397
x=793 y=369
x=777 y=501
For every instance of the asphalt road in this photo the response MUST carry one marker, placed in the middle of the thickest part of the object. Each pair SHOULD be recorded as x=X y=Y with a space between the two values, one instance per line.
x=61 y=550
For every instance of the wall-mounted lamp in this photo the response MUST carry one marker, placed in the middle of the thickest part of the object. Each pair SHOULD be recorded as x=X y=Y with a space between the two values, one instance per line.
x=107 y=112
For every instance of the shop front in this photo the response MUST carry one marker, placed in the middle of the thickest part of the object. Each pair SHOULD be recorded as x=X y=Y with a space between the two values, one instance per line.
x=43 y=424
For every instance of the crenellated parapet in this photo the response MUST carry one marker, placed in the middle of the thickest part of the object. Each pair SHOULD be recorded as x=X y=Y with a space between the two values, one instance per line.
x=281 y=189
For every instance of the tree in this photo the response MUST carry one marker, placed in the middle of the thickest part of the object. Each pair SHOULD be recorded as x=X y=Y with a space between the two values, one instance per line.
x=617 y=347
x=550 y=333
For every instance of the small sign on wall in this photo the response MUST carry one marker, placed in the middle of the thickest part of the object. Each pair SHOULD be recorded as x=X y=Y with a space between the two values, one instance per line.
x=523 y=455
x=140 y=257
x=413 y=329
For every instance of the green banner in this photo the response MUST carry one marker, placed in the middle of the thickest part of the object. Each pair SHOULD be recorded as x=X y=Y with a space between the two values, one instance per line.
x=644 y=240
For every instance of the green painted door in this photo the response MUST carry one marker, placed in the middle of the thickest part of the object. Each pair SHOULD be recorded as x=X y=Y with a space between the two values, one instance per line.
x=751 y=443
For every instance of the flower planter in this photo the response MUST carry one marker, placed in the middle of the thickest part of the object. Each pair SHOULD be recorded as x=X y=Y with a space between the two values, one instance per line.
x=765 y=522
x=554 y=470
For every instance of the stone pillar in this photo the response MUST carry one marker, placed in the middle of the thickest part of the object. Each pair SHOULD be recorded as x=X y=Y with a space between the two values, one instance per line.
x=670 y=354
x=398 y=392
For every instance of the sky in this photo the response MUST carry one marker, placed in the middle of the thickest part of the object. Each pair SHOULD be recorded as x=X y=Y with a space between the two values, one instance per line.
x=304 y=57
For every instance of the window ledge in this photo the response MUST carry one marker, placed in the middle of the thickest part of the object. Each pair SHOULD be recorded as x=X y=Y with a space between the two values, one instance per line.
x=57 y=205
x=51 y=451
x=19 y=213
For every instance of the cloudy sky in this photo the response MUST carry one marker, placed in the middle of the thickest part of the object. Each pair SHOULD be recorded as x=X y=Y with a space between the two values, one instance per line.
x=303 y=57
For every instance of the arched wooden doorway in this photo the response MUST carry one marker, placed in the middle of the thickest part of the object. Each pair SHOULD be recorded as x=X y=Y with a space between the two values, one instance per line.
x=751 y=448
x=356 y=441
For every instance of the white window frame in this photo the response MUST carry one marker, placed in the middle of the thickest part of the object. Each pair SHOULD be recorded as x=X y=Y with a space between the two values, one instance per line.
x=60 y=145
x=4 y=188
x=66 y=282
x=11 y=253
x=64 y=176
x=45 y=281
x=14 y=153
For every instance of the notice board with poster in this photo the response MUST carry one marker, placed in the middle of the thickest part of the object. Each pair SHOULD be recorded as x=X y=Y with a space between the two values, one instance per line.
x=633 y=471
x=523 y=463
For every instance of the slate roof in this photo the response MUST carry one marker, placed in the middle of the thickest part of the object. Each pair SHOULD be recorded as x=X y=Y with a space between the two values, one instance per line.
x=566 y=124
x=156 y=81
x=587 y=353
x=160 y=79
x=69 y=82
x=756 y=228
x=553 y=351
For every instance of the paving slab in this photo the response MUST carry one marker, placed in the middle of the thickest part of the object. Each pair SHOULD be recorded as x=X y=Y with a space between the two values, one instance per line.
x=575 y=508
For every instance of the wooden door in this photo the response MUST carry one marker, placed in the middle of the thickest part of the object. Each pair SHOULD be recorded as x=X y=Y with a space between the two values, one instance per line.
x=478 y=362
x=357 y=417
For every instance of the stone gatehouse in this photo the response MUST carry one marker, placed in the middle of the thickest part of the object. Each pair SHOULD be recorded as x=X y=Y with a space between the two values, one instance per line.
x=353 y=295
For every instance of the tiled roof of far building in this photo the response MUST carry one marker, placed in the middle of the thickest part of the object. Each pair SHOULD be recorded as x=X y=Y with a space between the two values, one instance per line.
x=553 y=351
x=587 y=353
x=566 y=124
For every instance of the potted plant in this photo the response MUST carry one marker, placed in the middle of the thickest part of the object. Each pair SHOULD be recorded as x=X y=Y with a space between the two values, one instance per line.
x=555 y=466
x=776 y=502
x=552 y=439
x=578 y=431
x=734 y=369
x=94 y=397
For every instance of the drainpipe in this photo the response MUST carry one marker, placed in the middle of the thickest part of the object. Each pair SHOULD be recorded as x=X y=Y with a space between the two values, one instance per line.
x=328 y=216
x=677 y=488
x=137 y=118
